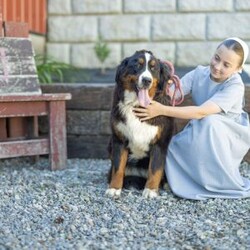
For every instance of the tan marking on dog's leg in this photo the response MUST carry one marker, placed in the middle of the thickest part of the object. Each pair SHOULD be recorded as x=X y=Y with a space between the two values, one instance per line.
x=153 y=183
x=154 y=180
x=117 y=176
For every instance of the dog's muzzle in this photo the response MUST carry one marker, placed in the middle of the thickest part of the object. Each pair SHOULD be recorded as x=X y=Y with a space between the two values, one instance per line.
x=146 y=82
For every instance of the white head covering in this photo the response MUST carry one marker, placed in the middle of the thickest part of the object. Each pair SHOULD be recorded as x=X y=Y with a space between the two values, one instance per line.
x=244 y=47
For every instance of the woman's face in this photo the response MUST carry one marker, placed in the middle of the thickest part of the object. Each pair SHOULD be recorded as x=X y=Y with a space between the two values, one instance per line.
x=224 y=63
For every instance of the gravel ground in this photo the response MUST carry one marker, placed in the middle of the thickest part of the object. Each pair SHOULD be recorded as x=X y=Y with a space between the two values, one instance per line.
x=41 y=209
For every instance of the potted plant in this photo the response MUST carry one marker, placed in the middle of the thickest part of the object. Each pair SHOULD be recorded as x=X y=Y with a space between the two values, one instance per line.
x=102 y=52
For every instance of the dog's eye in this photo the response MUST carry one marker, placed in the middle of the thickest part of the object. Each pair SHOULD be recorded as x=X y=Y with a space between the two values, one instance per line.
x=140 y=62
x=139 y=65
x=152 y=65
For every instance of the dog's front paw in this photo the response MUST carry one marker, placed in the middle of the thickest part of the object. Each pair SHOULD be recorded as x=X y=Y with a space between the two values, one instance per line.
x=149 y=193
x=113 y=192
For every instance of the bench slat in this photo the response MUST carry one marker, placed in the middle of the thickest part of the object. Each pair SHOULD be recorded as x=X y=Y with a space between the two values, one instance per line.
x=24 y=147
x=32 y=97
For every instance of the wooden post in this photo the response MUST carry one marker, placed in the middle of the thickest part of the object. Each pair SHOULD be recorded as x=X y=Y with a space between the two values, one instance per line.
x=58 y=145
x=1 y=20
x=32 y=132
x=3 y=129
x=1 y=28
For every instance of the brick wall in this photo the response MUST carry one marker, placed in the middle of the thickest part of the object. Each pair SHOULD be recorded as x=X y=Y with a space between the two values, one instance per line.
x=88 y=114
x=185 y=32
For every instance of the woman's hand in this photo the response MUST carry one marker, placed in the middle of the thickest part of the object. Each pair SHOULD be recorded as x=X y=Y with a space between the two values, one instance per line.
x=152 y=110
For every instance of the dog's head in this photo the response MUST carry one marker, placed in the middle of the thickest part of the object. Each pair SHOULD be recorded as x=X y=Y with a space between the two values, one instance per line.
x=143 y=74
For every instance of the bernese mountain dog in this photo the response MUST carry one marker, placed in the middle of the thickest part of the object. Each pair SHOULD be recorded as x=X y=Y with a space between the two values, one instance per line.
x=139 y=148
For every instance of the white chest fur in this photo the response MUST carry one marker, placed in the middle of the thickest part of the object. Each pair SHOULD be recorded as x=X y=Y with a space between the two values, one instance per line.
x=139 y=134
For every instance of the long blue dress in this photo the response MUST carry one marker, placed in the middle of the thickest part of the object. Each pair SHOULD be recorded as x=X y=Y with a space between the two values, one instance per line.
x=203 y=159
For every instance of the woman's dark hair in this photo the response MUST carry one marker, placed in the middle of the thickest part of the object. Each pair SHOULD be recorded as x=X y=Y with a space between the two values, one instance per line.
x=236 y=47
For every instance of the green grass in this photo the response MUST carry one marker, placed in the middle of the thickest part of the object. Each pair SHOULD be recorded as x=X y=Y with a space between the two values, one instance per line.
x=49 y=70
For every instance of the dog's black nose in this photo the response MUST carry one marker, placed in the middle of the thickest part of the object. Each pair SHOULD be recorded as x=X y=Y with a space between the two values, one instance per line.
x=146 y=81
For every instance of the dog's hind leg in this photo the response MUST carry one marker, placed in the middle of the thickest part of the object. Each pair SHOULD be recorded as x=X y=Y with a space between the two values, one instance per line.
x=119 y=158
x=155 y=172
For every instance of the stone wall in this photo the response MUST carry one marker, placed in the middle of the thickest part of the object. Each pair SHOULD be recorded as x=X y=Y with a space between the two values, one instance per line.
x=88 y=114
x=185 y=32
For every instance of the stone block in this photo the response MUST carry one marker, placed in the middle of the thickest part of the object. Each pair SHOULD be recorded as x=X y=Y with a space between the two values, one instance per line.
x=147 y=6
x=221 y=26
x=83 y=122
x=179 y=27
x=194 y=53
x=125 y=28
x=59 y=52
x=72 y=29
x=38 y=42
x=86 y=146
x=56 y=7
x=83 y=56
x=242 y=5
x=84 y=96
x=105 y=123
x=163 y=51
x=96 y=6
x=201 y=6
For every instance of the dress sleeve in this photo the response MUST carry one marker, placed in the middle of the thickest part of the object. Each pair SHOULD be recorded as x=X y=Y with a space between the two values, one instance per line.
x=229 y=96
x=187 y=81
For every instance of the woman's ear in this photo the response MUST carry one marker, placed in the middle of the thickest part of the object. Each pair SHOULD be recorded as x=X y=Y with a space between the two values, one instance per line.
x=240 y=69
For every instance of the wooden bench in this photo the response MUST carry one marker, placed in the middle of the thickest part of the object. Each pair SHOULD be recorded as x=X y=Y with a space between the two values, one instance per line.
x=22 y=102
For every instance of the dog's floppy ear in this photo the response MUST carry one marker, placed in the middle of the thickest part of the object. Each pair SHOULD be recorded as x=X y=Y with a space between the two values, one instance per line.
x=120 y=69
x=165 y=74
x=118 y=94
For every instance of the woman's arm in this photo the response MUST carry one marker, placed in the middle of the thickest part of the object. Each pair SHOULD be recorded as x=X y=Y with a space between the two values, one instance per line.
x=187 y=112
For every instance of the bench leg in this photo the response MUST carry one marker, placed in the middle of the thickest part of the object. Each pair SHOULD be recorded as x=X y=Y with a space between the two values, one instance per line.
x=33 y=133
x=3 y=128
x=57 y=134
